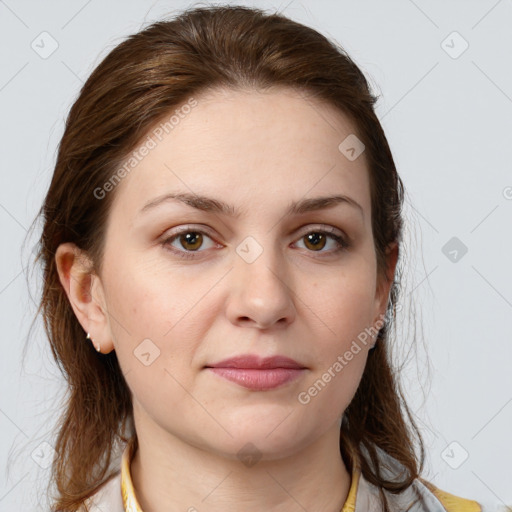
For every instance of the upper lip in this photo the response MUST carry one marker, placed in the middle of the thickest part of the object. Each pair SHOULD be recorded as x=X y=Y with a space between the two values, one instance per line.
x=250 y=361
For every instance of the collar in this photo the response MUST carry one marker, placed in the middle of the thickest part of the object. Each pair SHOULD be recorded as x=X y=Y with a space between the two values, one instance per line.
x=131 y=504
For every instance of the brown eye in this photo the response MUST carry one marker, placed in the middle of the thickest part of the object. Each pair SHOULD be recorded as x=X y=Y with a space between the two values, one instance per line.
x=191 y=240
x=315 y=241
x=188 y=243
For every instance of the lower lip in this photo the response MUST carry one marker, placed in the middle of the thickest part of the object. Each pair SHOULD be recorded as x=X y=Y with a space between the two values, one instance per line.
x=259 y=380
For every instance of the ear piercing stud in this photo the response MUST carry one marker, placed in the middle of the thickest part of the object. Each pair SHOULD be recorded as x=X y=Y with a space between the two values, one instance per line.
x=88 y=337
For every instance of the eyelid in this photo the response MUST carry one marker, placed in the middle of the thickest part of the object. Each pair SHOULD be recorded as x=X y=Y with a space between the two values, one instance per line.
x=187 y=228
x=322 y=227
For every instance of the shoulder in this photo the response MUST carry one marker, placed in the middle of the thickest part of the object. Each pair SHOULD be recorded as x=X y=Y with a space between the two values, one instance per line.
x=452 y=503
x=420 y=496
x=107 y=498
x=449 y=502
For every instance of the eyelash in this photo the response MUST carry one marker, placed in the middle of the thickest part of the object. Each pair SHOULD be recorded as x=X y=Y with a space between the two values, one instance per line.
x=342 y=243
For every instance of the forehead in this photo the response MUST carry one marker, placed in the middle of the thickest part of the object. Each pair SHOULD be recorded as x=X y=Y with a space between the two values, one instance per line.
x=256 y=146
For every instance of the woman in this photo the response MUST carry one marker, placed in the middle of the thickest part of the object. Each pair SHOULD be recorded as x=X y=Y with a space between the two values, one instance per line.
x=220 y=247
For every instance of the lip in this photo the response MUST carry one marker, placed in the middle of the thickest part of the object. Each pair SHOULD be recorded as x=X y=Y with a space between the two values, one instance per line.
x=249 y=361
x=258 y=374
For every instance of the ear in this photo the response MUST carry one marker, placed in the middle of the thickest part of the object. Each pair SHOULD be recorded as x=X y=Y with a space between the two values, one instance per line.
x=385 y=281
x=85 y=294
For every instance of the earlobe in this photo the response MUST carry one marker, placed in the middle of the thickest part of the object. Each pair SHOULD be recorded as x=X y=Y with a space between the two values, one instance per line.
x=84 y=292
x=386 y=281
x=392 y=252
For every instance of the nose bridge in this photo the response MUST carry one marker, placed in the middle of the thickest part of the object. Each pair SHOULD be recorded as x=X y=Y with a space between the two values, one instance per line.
x=262 y=289
x=259 y=263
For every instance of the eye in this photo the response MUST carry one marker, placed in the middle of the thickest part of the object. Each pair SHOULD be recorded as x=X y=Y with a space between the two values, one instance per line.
x=189 y=241
x=317 y=239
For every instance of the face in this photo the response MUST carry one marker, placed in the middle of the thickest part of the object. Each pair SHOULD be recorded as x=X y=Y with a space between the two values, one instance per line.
x=187 y=287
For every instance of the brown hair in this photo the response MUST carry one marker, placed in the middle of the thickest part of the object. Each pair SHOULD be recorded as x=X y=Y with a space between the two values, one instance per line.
x=138 y=82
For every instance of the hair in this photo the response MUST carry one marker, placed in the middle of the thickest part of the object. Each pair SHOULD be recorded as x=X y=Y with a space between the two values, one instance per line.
x=138 y=83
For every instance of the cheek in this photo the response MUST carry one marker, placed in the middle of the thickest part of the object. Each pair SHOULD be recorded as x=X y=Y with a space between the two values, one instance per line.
x=158 y=314
x=155 y=343
x=342 y=303
x=330 y=390
x=146 y=297
x=138 y=308
x=341 y=310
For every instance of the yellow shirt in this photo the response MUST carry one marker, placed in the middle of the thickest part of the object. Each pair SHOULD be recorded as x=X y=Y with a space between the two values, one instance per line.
x=132 y=505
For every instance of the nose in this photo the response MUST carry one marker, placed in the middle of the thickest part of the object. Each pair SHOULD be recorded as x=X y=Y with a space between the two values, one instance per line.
x=261 y=292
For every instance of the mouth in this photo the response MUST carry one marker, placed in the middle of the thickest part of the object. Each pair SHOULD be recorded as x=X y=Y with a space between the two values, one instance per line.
x=258 y=374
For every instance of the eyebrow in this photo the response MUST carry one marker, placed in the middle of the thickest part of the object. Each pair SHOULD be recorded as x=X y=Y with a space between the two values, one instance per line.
x=208 y=204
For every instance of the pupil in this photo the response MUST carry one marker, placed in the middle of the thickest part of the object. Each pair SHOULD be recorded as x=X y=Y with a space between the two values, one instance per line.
x=315 y=238
x=192 y=239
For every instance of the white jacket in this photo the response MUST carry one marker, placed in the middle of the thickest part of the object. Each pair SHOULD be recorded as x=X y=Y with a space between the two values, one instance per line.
x=421 y=496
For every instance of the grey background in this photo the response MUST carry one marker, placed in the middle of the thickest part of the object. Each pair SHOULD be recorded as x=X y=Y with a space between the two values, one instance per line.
x=448 y=117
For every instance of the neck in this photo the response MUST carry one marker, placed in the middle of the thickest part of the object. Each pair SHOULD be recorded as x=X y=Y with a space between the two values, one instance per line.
x=169 y=474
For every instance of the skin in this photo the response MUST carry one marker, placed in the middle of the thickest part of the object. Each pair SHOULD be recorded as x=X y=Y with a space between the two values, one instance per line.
x=258 y=151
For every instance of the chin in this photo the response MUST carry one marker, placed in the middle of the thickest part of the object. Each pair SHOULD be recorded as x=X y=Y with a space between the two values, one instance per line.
x=259 y=441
